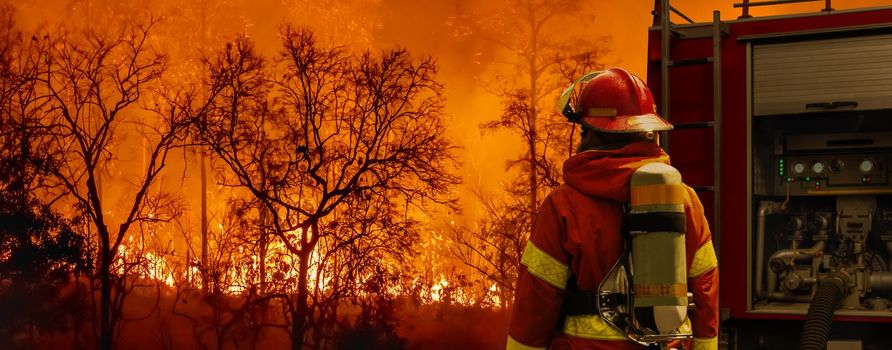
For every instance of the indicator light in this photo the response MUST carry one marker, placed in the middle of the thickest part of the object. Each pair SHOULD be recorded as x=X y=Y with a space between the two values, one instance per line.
x=808 y=179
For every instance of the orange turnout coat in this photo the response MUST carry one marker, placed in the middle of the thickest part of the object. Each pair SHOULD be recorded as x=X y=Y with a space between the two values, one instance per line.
x=578 y=231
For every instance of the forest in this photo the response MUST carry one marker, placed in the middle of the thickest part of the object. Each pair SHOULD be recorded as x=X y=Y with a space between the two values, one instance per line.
x=276 y=173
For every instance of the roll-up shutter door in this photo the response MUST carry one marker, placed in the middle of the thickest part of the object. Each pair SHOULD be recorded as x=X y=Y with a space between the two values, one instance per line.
x=821 y=75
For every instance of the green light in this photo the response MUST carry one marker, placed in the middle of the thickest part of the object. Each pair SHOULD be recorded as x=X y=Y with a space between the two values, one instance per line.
x=807 y=178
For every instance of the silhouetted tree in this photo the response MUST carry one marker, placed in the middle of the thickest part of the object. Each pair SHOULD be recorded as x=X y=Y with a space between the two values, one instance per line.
x=320 y=128
x=40 y=250
x=362 y=263
x=93 y=80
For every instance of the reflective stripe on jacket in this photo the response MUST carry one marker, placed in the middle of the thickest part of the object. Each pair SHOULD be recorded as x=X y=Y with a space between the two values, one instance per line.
x=577 y=231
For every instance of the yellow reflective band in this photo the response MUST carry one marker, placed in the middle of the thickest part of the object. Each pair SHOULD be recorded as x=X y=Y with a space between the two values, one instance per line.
x=704 y=261
x=685 y=327
x=544 y=266
x=516 y=345
x=706 y=343
x=591 y=327
x=657 y=194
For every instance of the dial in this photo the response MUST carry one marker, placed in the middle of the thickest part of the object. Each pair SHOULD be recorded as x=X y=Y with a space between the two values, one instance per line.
x=866 y=165
x=798 y=168
x=837 y=165
x=818 y=167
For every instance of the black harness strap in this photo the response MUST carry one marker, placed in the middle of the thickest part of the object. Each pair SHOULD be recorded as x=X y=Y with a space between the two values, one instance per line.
x=656 y=222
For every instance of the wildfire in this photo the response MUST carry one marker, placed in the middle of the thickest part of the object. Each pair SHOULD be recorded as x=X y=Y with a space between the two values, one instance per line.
x=241 y=271
x=134 y=260
x=437 y=290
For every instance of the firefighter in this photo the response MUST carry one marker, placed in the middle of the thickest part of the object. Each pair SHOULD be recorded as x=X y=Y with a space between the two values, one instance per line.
x=577 y=239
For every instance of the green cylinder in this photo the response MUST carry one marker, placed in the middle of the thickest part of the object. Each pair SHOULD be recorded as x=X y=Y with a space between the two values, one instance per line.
x=657 y=227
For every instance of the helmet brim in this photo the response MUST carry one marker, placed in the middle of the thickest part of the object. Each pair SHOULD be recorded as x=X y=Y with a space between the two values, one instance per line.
x=627 y=123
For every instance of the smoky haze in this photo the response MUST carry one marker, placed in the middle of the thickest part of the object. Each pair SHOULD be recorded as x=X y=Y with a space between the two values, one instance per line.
x=423 y=27
x=468 y=66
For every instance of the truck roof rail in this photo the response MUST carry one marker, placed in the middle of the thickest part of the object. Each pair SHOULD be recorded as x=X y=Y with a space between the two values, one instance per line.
x=746 y=4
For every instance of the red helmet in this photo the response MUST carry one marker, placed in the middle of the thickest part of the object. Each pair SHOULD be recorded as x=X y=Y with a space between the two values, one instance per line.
x=613 y=101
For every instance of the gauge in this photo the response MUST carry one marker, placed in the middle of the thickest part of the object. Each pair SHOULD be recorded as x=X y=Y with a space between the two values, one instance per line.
x=837 y=165
x=866 y=165
x=818 y=167
x=798 y=168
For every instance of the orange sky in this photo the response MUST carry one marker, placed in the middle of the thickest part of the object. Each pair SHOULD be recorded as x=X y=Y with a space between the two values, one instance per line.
x=421 y=27
x=485 y=157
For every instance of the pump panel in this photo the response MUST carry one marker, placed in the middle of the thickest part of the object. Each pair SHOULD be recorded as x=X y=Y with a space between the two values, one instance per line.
x=821 y=205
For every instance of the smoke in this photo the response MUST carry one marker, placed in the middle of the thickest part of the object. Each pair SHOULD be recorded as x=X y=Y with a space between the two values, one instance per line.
x=190 y=28
x=423 y=28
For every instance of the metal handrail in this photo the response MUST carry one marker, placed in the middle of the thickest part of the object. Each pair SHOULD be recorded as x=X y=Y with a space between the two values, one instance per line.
x=746 y=4
x=717 y=128
x=682 y=15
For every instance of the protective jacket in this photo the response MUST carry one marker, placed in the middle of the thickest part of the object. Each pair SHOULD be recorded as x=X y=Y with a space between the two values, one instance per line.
x=577 y=232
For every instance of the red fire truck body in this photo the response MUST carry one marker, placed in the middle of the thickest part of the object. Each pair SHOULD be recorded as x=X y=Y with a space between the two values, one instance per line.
x=802 y=104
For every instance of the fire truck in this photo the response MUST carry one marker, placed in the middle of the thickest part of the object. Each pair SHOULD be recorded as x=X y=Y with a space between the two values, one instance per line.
x=783 y=124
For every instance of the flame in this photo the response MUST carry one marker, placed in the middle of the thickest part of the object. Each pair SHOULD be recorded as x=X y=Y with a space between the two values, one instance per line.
x=437 y=290
x=133 y=259
x=241 y=271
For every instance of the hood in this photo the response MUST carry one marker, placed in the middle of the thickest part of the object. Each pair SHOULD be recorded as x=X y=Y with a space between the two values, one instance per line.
x=605 y=173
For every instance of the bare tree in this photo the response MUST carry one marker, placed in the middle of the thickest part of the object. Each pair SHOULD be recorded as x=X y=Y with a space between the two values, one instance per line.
x=537 y=57
x=41 y=252
x=320 y=128
x=362 y=263
x=93 y=80
x=493 y=248
x=531 y=34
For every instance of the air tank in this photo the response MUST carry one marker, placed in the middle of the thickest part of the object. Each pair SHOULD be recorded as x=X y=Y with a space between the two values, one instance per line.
x=656 y=224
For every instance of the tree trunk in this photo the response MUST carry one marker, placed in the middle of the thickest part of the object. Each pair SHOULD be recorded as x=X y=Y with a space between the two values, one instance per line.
x=531 y=139
x=106 y=328
x=204 y=191
x=534 y=93
x=204 y=227
x=299 y=315
x=263 y=242
x=534 y=186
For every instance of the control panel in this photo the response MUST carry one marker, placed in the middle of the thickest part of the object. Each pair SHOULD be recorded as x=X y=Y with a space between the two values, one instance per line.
x=832 y=174
x=821 y=207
